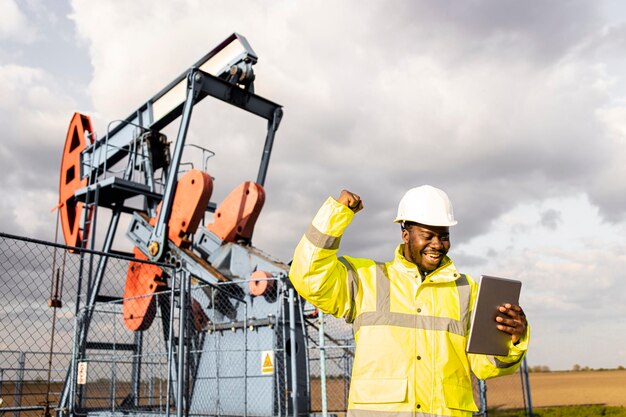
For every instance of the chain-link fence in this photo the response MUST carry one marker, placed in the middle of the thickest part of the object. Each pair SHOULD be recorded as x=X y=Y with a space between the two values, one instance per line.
x=117 y=369
x=219 y=358
x=70 y=343
x=33 y=365
x=511 y=391
x=330 y=362
x=58 y=310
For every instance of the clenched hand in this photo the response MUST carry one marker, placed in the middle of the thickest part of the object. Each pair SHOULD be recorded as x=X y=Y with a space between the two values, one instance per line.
x=351 y=200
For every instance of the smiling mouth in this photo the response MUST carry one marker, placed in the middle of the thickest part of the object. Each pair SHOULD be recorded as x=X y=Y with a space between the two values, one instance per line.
x=433 y=257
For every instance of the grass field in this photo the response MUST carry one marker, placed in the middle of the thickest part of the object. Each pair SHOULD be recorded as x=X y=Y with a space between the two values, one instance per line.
x=568 y=411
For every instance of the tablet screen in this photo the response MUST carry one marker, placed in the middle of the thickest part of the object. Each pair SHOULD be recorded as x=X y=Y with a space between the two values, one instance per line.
x=484 y=336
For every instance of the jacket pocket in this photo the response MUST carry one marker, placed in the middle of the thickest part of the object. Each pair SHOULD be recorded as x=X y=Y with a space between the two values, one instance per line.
x=459 y=397
x=378 y=390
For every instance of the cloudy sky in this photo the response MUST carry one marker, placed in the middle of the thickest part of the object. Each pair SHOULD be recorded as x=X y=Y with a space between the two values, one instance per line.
x=516 y=109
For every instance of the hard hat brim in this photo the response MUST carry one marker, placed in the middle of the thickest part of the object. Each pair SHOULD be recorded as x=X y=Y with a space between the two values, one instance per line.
x=447 y=224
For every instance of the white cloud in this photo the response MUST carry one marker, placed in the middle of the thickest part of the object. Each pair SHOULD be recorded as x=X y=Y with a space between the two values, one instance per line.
x=13 y=78
x=517 y=111
x=34 y=114
x=29 y=211
x=14 y=26
x=570 y=273
x=35 y=109
x=615 y=120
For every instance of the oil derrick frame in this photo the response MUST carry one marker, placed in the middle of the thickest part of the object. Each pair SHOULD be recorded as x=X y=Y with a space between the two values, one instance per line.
x=139 y=140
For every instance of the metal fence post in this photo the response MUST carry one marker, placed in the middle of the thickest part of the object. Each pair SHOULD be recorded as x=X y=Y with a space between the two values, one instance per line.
x=170 y=348
x=482 y=390
x=526 y=388
x=245 y=361
x=18 y=383
x=292 y=334
x=71 y=378
x=323 y=366
x=136 y=368
x=182 y=316
x=346 y=372
x=114 y=360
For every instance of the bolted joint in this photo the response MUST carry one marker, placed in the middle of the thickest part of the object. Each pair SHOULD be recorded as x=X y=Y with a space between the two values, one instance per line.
x=153 y=248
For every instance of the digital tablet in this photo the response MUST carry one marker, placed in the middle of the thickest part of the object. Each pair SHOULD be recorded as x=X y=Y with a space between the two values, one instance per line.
x=484 y=336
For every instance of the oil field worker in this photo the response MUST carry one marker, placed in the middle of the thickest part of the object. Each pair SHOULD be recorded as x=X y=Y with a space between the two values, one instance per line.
x=410 y=316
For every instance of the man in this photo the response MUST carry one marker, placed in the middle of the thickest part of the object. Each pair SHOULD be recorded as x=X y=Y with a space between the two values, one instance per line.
x=410 y=316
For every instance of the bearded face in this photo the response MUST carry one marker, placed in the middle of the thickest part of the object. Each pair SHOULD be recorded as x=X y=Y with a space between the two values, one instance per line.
x=425 y=246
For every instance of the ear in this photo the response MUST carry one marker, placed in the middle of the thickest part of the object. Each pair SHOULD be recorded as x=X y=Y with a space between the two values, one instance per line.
x=405 y=235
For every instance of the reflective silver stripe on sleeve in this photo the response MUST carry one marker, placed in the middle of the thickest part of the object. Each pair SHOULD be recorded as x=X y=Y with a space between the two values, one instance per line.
x=353 y=287
x=462 y=286
x=501 y=364
x=322 y=240
x=372 y=413
x=382 y=289
x=411 y=321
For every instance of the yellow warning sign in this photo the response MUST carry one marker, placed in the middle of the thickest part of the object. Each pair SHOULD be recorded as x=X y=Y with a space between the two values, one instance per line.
x=267 y=362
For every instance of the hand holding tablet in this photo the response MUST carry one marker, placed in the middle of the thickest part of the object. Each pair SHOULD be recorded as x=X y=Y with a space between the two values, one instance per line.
x=497 y=317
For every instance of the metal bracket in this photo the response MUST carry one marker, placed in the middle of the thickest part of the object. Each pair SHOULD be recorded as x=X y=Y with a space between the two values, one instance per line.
x=140 y=233
x=158 y=238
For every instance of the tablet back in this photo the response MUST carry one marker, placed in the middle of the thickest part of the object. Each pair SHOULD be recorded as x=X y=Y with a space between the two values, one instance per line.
x=484 y=336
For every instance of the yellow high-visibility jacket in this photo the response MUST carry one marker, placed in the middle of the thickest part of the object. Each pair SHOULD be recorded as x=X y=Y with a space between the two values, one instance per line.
x=410 y=336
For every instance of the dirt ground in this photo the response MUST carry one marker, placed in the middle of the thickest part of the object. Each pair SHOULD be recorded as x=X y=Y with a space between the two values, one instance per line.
x=547 y=389
x=560 y=388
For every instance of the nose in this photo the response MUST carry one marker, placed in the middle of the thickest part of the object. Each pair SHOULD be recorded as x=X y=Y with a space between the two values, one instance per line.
x=436 y=243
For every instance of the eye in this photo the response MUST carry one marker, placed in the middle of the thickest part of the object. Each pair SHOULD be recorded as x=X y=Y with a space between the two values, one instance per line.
x=430 y=236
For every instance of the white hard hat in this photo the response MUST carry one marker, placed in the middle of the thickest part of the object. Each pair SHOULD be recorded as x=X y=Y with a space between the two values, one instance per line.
x=426 y=205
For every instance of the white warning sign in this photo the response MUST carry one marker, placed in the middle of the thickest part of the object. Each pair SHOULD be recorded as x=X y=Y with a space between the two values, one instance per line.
x=267 y=362
x=81 y=375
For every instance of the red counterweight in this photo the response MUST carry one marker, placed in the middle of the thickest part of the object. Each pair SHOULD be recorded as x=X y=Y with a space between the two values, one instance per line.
x=191 y=198
x=142 y=281
x=235 y=218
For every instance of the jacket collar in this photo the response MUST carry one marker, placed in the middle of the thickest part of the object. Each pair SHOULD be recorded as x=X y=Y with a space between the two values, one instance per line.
x=446 y=272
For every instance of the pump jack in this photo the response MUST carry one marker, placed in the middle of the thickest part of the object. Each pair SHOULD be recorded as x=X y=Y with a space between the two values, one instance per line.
x=244 y=286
